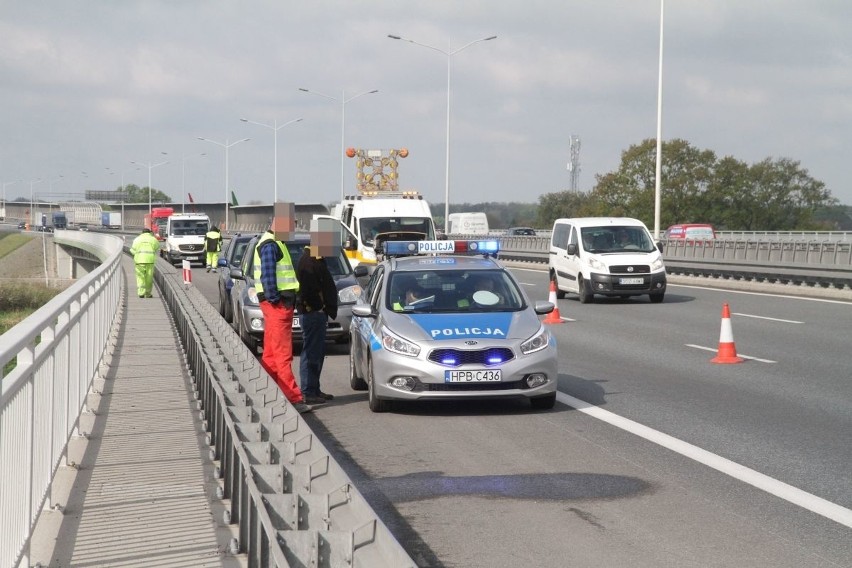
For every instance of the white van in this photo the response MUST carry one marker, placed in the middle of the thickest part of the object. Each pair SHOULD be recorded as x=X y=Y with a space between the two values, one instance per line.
x=467 y=224
x=610 y=256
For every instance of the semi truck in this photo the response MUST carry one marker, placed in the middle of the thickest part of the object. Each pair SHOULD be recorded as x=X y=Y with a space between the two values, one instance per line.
x=111 y=220
x=156 y=220
x=380 y=211
x=60 y=221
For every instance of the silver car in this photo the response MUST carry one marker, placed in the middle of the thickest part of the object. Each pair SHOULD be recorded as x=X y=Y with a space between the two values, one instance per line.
x=247 y=316
x=450 y=327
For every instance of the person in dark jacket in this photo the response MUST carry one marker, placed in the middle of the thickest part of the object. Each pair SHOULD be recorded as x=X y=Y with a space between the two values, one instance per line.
x=316 y=304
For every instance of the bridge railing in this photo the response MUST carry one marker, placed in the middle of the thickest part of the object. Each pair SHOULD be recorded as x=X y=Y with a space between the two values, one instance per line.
x=48 y=363
x=821 y=261
x=293 y=503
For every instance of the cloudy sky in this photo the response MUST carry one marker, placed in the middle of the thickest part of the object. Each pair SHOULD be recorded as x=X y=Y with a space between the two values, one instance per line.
x=86 y=86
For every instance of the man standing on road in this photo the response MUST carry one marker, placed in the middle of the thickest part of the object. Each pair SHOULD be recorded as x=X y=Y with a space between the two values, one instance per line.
x=317 y=303
x=144 y=250
x=276 y=285
x=213 y=244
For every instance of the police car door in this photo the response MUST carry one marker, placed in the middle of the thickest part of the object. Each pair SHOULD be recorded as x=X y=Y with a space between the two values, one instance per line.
x=362 y=328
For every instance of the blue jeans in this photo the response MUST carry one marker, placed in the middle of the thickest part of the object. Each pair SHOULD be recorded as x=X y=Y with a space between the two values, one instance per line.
x=313 y=351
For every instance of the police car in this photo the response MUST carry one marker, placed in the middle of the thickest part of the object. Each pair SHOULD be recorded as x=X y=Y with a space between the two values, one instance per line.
x=442 y=320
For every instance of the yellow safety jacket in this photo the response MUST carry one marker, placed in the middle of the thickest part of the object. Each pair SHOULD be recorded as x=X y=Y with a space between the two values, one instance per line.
x=144 y=249
x=213 y=241
x=285 y=275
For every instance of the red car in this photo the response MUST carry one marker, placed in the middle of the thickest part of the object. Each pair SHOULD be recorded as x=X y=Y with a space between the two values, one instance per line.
x=691 y=231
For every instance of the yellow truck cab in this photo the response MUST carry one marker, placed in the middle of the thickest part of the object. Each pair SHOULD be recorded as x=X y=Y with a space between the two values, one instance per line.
x=380 y=211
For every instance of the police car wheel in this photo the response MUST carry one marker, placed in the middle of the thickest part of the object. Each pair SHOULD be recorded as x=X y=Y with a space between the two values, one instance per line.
x=376 y=404
x=357 y=383
x=543 y=402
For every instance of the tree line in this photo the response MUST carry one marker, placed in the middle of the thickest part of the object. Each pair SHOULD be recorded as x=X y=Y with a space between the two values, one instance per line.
x=698 y=187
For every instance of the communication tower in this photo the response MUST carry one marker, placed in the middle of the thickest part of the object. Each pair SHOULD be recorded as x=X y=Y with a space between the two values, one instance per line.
x=574 y=162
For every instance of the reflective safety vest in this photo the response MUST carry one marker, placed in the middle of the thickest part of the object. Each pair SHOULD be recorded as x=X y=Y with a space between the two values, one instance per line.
x=285 y=275
x=213 y=241
x=144 y=249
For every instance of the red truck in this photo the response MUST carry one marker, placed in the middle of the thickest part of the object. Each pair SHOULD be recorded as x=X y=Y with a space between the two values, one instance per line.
x=156 y=221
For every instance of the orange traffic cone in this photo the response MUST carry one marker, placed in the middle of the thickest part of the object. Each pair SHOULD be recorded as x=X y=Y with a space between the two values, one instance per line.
x=727 y=348
x=553 y=317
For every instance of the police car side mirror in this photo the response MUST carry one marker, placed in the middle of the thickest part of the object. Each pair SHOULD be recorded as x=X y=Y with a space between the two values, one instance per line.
x=542 y=307
x=363 y=311
x=236 y=274
x=361 y=271
x=572 y=249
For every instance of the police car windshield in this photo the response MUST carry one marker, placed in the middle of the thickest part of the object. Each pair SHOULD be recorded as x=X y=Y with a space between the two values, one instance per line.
x=458 y=291
x=616 y=239
x=372 y=226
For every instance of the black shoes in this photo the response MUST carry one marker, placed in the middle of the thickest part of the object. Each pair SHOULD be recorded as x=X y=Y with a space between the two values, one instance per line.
x=314 y=400
x=326 y=396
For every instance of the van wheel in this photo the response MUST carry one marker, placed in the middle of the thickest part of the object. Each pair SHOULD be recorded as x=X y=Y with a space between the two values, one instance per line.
x=586 y=295
x=559 y=293
x=657 y=298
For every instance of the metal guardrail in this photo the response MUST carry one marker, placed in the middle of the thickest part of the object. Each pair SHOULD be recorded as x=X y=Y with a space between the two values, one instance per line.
x=810 y=262
x=55 y=355
x=295 y=506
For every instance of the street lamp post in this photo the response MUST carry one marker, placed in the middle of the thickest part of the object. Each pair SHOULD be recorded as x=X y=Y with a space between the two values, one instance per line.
x=275 y=128
x=226 y=146
x=150 y=167
x=659 y=160
x=342 y=100
x=449 y=55
x=183 y=179
x=32 y=202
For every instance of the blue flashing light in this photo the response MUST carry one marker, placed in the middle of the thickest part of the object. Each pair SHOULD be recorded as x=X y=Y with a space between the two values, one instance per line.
x=399 y=248
x=448 y=361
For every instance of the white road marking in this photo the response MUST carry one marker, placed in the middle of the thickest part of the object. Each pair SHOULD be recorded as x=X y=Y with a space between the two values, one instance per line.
x=566 y=319
x=765 y=318
x=528 y=284
x=713 y=349
x=768 y=294
x=754 y=478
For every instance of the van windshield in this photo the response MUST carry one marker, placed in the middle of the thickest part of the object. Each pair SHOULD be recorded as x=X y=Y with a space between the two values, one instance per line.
x=372 y=226
x=616 y=239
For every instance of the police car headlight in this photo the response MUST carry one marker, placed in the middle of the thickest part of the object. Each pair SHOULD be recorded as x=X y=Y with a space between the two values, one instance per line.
x=657 y=264
x=595 y=264
x=398 y=345
x=537 y=342
x=252 y=295
x=349 y=295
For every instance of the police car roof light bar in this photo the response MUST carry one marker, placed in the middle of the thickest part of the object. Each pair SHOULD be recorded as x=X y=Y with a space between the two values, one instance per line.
x=409 y=248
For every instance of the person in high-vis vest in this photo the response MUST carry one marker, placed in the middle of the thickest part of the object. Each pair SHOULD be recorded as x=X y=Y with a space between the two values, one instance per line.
x=213 y=244
x=144 y=250
x=276 y=285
